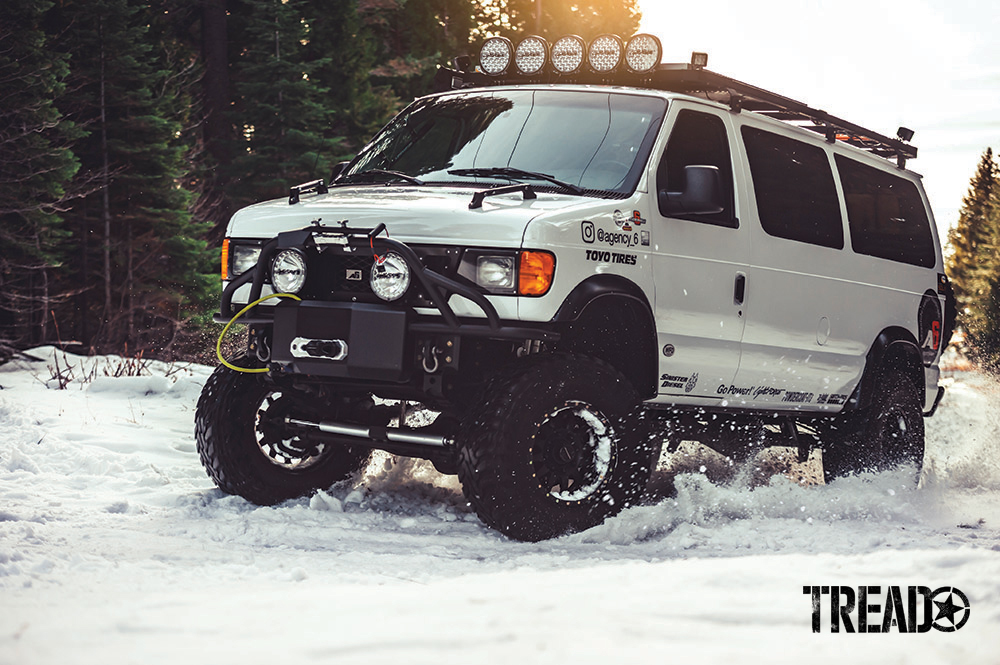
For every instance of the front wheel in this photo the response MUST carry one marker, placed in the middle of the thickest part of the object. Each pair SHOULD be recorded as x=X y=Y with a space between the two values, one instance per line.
x=554 y=447
x=246 y=448
x=893 y=433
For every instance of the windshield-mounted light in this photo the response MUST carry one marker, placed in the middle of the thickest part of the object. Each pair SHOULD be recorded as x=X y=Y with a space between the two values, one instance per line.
x=495 y=55
x=567 y=54
x=531 y=55
x=605 y=53
x=643 y=53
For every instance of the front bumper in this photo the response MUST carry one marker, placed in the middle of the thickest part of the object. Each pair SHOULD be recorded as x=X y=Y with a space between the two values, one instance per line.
x=368 y=341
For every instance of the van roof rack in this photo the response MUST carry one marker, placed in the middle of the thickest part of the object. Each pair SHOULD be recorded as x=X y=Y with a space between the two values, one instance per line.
x=697 y=81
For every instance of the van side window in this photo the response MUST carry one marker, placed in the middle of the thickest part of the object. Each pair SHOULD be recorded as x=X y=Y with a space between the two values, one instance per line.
x=886 y=215
x=697 y=139
x=795 y=190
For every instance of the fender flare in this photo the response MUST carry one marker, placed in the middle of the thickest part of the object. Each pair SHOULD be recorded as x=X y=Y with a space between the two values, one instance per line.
x=640 y=342
x=894 y=347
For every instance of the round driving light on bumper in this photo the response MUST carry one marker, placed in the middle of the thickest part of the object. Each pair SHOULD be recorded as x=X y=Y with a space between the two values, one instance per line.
x=531 y=55
x=288 y=271
x=567 y=54
x=643 y=53
x=495 y=55
x=605 y=53
x=390 y=276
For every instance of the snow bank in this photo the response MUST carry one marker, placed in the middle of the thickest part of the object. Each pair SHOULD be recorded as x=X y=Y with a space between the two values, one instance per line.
x=116 y=547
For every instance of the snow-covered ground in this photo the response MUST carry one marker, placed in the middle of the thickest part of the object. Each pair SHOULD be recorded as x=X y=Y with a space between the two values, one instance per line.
x=115 y=547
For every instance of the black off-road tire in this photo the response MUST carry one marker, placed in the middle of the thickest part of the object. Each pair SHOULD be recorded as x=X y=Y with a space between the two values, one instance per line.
x=556 y=445
x=893 y=433
x=229 y=435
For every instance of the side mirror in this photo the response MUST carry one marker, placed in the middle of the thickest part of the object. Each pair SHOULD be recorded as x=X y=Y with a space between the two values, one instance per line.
x=338 y=170
x=702 y=193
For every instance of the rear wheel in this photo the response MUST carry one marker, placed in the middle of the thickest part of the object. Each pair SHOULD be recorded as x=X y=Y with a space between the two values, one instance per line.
x=247 y=449
x=554 y=448
x=892 y=435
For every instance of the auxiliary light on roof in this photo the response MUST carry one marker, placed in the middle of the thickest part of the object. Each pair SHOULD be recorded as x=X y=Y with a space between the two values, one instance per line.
x=643 y=53
x=567 y=54
x=495 y=55
x=531 y=55
x=605 y=53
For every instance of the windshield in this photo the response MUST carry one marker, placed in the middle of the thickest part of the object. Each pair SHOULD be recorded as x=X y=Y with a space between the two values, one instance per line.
x=597 y=141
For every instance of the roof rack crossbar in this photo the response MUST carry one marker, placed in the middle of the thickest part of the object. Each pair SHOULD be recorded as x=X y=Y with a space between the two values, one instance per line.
x=686 y=79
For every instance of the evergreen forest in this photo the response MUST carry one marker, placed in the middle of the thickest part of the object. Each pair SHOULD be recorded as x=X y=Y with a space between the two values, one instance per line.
x=130 y=132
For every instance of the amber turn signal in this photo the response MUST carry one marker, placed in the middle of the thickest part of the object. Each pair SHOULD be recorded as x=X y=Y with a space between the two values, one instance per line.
x=225 y=259
x=535 y=273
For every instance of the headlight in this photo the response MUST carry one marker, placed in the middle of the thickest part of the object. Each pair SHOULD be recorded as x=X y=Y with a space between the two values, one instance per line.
x=496 y=273
x=390 y=277
x=244 y=258
x=288 y=272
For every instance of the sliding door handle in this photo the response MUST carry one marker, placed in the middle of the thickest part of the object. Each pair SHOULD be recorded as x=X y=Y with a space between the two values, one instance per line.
x=740 y=290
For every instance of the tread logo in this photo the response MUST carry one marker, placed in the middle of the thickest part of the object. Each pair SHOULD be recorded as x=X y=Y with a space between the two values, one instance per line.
x=914 y=609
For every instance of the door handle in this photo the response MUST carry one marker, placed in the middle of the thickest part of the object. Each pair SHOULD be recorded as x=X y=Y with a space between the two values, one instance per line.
x=740 y=290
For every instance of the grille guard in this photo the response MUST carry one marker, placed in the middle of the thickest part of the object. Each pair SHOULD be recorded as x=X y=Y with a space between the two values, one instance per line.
x=437 y=287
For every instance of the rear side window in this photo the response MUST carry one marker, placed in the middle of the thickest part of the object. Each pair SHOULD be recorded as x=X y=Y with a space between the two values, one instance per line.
x=886 y=215
x=795 y=190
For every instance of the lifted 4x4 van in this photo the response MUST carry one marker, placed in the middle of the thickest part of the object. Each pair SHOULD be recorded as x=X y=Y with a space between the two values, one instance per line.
x=573 y=254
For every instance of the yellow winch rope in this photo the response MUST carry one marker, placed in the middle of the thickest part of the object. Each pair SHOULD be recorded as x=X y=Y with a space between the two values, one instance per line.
x=218 y=344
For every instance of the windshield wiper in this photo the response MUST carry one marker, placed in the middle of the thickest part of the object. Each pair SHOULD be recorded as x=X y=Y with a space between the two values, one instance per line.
x=373 y=172
x=511 y=173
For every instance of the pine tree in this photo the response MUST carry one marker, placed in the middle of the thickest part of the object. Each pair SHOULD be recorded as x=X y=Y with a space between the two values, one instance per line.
x=552 y=18
x=279 y=107
x=141 y=265
x=974 y=264
x=35 y=171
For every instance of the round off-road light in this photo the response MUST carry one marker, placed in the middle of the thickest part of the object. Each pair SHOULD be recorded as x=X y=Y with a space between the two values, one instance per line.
x=495 y=55
x=390 y=276
x=605 y=53
x=567 y=54
x=288 y=271
x=531 y=54
x=643 y=53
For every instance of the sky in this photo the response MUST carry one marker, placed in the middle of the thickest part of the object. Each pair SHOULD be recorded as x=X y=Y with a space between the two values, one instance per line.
x=931 y=66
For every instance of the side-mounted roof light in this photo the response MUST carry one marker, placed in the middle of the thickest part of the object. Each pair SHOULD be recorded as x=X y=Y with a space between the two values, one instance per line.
x=605 y=53
x=495 y=55
x=567 y=54
x=643 y=53
x=699 y=60
x=531 y=55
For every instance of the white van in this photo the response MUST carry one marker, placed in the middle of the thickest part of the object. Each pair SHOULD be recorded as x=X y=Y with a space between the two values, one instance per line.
x=571 y=255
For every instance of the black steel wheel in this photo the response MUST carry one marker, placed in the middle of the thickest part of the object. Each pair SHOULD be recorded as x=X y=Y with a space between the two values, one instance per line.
x=247 y=449
x=892 y=435
x=554 y=448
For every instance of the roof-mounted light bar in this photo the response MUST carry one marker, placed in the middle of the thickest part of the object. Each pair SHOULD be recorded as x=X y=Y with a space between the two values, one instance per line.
x=604 y=55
